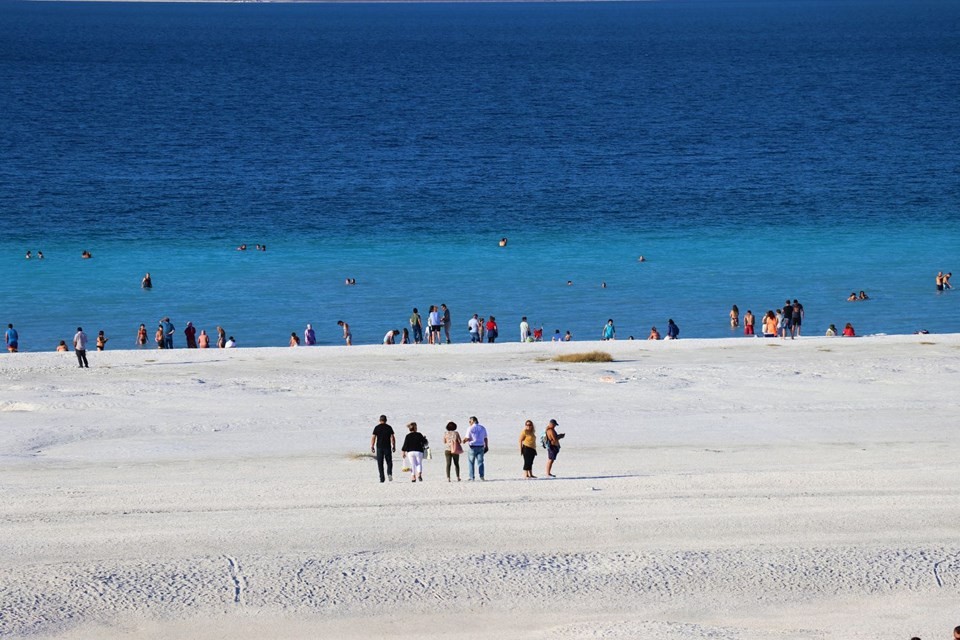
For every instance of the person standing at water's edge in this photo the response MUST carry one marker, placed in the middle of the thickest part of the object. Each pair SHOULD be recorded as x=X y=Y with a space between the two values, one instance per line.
x=168 y=331
x=203 y=340
x=492 y=330
x=473 y=327
x=309 y=336
x=141 y=335
x=553 y=445
x=524 y=329
x=479 y=445
x=435 y=323
x=101 y=341
x=445 y=317
x=221 y=338
x=383 y=444
x=416 y=325
x=190 y=333
x=12 y=338
x=528 y=448
x=80 y=347
x=347 y=336
x=609 y=332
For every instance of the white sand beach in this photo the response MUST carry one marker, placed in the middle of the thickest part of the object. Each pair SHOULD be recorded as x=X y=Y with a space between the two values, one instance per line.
x=733 y=489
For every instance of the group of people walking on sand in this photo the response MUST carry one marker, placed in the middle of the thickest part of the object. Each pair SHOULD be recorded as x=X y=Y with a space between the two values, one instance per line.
x=475 y=442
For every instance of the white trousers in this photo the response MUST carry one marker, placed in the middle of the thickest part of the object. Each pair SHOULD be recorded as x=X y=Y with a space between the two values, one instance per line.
x=415 y=462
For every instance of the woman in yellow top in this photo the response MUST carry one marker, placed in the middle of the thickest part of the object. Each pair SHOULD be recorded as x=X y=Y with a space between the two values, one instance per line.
x=528 y=448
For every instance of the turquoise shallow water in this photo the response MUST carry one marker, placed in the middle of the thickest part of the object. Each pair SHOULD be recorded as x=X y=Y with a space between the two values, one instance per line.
x=752 y=151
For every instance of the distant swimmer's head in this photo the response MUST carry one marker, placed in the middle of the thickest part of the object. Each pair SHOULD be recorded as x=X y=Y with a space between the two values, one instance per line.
x=569 y=283
x=503 y=242
x=641 y=259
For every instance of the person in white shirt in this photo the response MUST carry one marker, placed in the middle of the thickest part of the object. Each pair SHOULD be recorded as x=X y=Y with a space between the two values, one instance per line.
x=435 y=322
x=473 y=326
x=231 y=343
x=80 y=346
x=479 y=444
x=524 y=329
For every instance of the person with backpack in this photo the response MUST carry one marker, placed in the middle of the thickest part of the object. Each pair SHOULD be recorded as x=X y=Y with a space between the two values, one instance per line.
x=552 y=441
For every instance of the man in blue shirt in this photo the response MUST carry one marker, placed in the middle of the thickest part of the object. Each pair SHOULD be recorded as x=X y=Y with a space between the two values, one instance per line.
x=168 y=330
x=476 y=438
x=12 y=339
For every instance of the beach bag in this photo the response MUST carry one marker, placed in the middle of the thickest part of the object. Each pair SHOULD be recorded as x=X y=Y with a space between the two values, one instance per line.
x=406 y=466
x=544 y=440
x=456 y=448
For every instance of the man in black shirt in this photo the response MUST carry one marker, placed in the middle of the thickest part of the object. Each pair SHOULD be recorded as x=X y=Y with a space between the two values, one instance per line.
x=384 y=444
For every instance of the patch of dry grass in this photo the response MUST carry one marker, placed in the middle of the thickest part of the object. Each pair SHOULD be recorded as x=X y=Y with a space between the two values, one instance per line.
x=587 y=356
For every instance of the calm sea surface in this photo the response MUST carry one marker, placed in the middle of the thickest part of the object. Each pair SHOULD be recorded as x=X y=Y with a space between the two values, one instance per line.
x=752 y=151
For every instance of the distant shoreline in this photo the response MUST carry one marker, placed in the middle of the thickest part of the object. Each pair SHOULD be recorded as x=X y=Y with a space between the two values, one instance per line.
x=458 y=348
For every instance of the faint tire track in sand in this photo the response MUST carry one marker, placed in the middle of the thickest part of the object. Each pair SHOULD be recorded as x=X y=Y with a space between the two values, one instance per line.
x=49 y=598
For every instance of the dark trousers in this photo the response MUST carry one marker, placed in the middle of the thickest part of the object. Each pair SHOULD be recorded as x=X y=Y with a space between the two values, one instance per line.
x=384 y=455
x=82 y=358
x=529 y=453
x=455 y=459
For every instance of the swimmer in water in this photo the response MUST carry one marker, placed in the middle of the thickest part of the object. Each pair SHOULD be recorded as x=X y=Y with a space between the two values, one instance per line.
x=86 y=255
x=242 y=247
x=503 y=242
x=603 y=285
x=863 y=296
x=641 y=259
x=146 y=283
x=39 y=255
x=852 y=297
x=569 y=283
x=29 y=255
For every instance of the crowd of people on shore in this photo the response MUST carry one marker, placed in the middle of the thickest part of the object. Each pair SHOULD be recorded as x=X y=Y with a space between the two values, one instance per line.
x=475 y=443
x=784 y=322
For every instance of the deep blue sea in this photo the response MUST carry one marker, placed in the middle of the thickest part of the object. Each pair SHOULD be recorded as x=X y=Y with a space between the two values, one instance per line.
x=750 y=150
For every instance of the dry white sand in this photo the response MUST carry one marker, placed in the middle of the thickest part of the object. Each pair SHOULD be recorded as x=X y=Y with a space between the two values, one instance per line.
x=708 y=489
